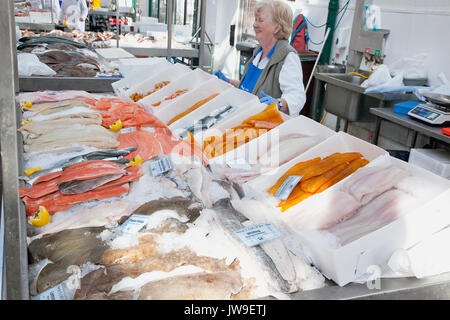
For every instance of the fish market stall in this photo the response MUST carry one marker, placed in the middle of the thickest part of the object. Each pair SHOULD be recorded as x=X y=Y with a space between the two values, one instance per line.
x=158 y=191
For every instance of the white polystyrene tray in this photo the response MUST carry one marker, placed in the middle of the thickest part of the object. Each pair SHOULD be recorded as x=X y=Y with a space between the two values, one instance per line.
x=230 y=97
x=256 y=147
x=187 y=100
x=136 y=77
x=171 y=73
x=340 y=142
x=350 y=262
x=188 y=81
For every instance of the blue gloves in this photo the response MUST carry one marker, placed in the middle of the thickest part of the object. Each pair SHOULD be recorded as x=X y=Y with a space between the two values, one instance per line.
x=265 y=98
x=221 y=76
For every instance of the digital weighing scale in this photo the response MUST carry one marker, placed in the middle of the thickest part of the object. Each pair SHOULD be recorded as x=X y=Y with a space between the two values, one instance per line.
x=436 y=111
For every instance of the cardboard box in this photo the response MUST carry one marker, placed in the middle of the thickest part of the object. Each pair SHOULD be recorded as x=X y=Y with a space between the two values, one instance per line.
x=230 y=97
x=188 y=99
x=171 y=72
x=189 y=81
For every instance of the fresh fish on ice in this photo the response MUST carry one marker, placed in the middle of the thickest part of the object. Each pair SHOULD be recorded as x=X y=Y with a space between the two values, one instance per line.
x=212 y=286
x=90 y=135
x=208 y=121
x=63 y=249
x=97 y=215
x=103 y=280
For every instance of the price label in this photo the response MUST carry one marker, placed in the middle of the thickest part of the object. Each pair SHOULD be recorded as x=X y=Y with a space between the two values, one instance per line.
x=161 y=166
x=286 y=188
x=257 y=234
x=127 y=130
x=134 y=224
x=55 y=293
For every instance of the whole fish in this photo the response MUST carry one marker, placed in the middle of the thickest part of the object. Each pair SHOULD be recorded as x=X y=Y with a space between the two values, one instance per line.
x=79 y=186
x=63 y=249
x=94 y=155
x=233 y=220
x=208 y=121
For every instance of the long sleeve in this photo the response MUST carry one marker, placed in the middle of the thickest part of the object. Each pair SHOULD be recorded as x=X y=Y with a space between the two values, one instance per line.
x=291 y=84
x=84 y=9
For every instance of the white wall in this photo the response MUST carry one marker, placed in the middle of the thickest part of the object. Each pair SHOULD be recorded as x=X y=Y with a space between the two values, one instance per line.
x=220 y=14
x=417 y=26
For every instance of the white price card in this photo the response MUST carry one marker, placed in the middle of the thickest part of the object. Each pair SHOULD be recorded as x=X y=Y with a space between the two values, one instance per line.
x=128 y=130
x=148 y=129
x=286 y=188
x=160 y=166
x=257 y=234
x=134 y=224
x=55 y=293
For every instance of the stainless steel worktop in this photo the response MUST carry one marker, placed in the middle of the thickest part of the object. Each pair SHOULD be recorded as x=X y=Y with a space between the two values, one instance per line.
x=408 y=122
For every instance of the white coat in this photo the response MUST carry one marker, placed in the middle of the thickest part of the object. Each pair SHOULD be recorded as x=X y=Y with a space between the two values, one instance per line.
x=73 y=10
x=54 y=5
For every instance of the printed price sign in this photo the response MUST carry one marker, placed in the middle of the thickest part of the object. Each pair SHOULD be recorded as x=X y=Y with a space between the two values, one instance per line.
x=286 y=188
x=134 y=224
x=128 y=130
x=55 y=293
x=257 y=234
x=161 y=166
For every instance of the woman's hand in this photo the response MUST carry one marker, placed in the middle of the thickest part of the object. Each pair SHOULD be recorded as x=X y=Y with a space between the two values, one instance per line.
x=219 y=74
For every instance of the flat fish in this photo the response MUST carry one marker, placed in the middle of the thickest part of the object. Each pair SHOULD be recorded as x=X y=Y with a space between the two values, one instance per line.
x=185 y=207
x=63 y=249
x=198 y=286
x=103 y=280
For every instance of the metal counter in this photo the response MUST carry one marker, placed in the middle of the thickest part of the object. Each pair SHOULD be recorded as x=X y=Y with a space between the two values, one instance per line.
x=95 y=85
x=162 y=52
x=408 y=122
x=36 y=26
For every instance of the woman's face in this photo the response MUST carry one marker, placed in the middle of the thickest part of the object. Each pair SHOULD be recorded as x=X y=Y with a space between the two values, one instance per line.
x=264 y=27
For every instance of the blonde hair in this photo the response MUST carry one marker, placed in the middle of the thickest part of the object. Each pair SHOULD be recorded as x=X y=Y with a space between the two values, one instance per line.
x=281 y=14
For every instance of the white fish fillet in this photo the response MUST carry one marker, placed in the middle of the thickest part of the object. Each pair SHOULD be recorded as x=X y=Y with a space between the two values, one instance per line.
x=322 y=211
x=35 y=129
x=381 y=211
x=81 y=217
x=367 y=183
x=49 y=96
x=287 y=149
x=90 y=135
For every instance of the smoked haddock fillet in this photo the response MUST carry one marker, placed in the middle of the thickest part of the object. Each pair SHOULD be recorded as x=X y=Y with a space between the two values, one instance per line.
x=318 y=175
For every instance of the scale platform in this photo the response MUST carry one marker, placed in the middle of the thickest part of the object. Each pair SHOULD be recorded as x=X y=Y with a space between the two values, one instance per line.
x=435 y=112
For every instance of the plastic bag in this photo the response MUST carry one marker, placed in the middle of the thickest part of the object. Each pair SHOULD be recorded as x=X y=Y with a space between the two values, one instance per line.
x=380 y=76
x=29 y=65
x=427 y=258
x=412 y=67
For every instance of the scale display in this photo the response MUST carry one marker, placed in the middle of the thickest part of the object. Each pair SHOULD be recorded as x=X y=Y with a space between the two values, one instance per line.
x=429 y=114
